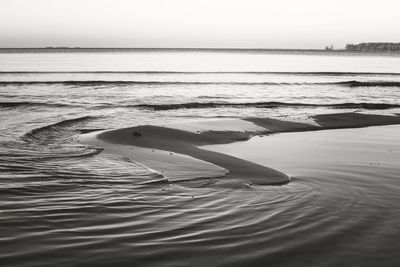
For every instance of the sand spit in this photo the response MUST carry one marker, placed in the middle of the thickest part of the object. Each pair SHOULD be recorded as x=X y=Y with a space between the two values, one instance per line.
x=189 y=143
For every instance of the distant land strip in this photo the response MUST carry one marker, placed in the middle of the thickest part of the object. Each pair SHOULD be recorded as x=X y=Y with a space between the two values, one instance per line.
x=347 y=51
x=374 y=47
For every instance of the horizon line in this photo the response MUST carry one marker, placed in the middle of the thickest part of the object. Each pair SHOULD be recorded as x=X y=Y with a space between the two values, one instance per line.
x=171 y=48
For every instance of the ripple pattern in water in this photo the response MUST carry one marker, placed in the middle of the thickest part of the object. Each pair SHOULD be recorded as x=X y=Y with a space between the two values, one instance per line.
x=65 y=204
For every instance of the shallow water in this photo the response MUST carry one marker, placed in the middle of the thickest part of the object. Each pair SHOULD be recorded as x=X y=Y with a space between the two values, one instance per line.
x=64 y=203
x=353 y=175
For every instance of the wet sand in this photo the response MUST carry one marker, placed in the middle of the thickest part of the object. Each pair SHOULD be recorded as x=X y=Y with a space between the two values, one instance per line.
x=188 y=144
x=157 y=138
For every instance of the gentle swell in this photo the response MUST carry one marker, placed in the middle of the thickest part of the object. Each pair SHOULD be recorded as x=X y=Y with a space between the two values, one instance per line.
x=327 y=73
x=62 y=124
x=53 y=141
x=200 y=105
x=30 y=104
x=204 y=105
x=101 y=82
x=370 y=84
x=105 y=82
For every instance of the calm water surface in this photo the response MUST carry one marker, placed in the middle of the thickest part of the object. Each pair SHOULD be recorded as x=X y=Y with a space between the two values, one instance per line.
x=62 y=203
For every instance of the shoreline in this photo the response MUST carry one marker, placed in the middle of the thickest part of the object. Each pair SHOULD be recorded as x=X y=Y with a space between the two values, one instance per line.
x=188 y=142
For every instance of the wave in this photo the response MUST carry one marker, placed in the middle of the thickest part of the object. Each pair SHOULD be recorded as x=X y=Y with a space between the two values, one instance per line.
x=56 y=141
x=76 y=151
x=37 y=132
x=200 y=105
x=105 y=82
x=371 y=84
x=209 y=72
x=196 y=105
x=30 y=104
x=212 y=97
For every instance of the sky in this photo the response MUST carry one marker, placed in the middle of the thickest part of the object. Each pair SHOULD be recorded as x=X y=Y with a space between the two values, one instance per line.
x=303 y=24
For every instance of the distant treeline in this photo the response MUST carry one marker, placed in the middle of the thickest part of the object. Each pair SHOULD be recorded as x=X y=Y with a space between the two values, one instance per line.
x=374 y=47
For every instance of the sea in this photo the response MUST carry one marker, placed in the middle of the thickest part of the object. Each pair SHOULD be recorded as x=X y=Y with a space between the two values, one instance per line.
x=63 y=203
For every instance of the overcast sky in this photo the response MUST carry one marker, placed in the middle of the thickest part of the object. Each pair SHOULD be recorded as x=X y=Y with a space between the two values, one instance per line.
x=197 y=23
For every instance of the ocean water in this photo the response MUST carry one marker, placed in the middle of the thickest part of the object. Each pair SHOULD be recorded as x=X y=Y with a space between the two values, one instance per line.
x=64 y=203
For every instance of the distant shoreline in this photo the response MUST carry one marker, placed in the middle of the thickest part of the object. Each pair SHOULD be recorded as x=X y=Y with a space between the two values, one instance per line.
x=220 y=50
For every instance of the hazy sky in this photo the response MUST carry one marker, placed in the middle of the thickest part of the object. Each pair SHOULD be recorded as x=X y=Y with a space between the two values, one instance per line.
x=197 y=23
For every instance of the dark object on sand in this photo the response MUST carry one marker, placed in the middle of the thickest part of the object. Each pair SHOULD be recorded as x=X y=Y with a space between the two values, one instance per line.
x=136 y=134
